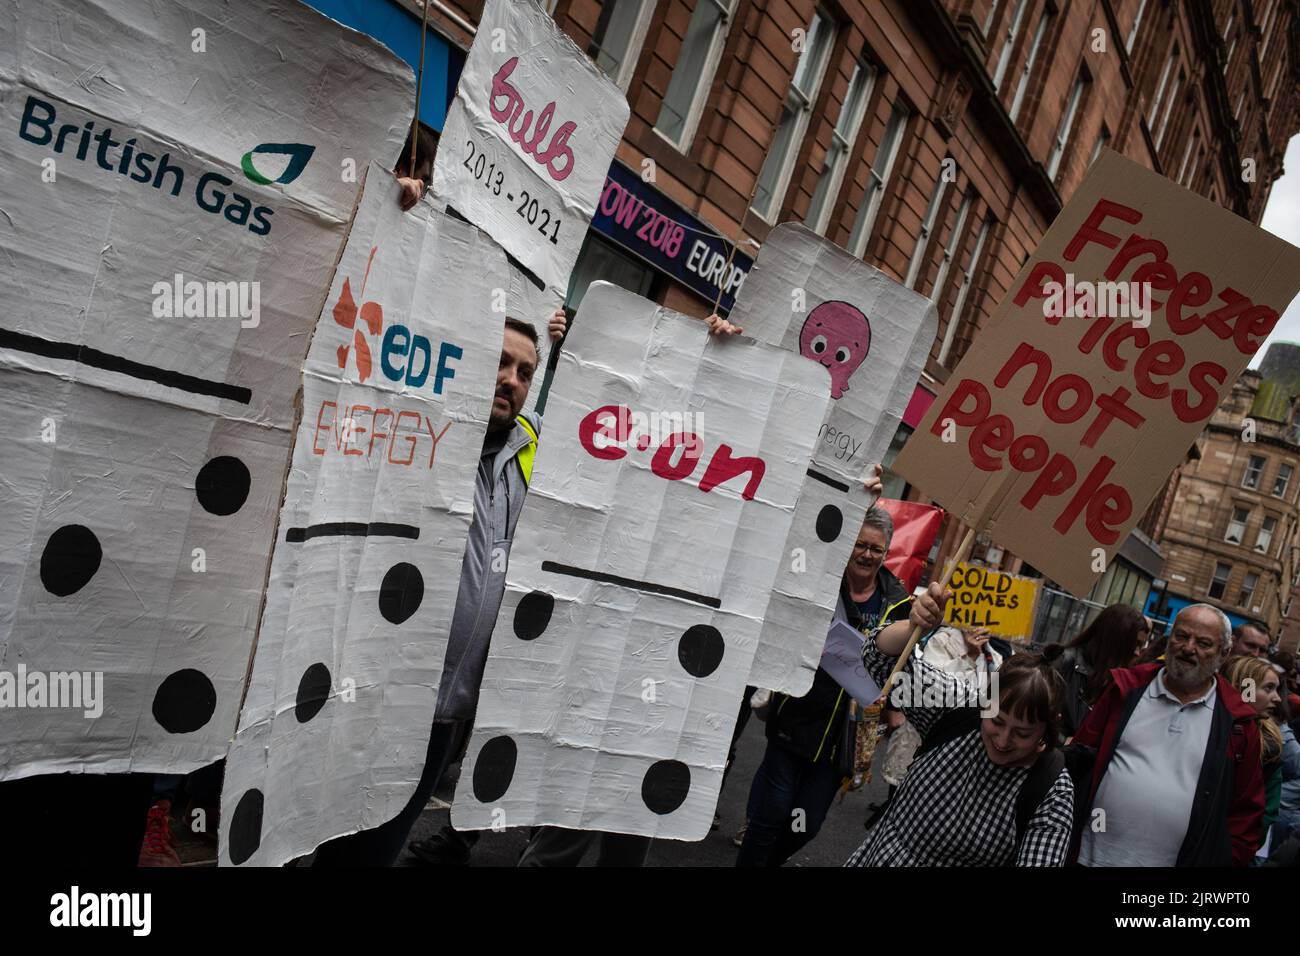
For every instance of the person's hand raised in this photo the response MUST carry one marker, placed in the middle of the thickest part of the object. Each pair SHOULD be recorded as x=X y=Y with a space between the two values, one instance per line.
x=412 y=190
x=875 y=485
x=720 y=326
x=556 y=327
x=975 y=640
x=928 y=607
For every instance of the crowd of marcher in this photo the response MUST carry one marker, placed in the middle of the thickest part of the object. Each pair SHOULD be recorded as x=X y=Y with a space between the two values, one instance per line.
x=1111 y=750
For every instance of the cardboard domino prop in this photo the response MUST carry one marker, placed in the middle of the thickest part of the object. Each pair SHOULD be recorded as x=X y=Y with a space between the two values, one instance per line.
x=397 y=390
x=640 y=573
x=164 y=257
x=872 y=334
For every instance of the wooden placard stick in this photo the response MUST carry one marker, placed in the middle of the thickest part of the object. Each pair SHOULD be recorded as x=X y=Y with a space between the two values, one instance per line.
x=963 y=552
x=993 y=506
x=419 y=85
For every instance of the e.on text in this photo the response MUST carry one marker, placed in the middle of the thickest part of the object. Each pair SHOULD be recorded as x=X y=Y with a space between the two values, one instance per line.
x=605 y=431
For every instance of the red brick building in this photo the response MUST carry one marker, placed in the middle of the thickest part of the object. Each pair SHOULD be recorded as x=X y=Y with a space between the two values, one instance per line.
x=937 y=139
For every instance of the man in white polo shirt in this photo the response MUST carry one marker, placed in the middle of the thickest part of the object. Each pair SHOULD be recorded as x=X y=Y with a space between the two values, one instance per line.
x=1176 y=779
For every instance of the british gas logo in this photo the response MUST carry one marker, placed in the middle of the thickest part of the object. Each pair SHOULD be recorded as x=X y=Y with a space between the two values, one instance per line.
x=152 y=164
x=294 y=155
x=403 y=356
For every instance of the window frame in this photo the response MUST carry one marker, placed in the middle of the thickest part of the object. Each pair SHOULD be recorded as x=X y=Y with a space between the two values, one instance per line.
x=1066 y=128
x=1239 y=523
x=1009 y=44
x=803 y=116
x=1286 y=482
x=1133 y=31
x=968 y=280
x=1161 y=85
x=873 y=199
x=933 y=214
x=1246 y=597
x=823 y=202
x=1179 y=80
x=1259 y=472
x=704 y=84
x=1027 y=71
x=951 y=248
x=1264 y=529
x=1223 y=584
x=640 y=31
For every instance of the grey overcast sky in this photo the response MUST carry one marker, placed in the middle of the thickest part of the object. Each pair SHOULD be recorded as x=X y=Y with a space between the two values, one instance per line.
x=1282 y=218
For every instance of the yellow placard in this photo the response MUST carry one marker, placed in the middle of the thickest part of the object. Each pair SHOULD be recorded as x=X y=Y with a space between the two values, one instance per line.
x=983 y=597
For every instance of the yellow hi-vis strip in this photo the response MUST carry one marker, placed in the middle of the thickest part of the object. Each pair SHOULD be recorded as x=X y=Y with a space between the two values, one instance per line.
x=528 y=453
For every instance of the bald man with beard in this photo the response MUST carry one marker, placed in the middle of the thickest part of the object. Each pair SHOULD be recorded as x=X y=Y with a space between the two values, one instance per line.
x=1175 y=777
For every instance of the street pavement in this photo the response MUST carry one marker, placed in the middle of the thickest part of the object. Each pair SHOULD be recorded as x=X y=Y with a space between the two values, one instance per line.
x=839 y=836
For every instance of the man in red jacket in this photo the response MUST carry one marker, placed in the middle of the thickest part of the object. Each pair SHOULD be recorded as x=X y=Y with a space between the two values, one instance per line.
x=1176 y=779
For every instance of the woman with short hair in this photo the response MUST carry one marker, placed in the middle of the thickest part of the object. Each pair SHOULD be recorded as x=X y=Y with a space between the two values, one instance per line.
x=982 y=791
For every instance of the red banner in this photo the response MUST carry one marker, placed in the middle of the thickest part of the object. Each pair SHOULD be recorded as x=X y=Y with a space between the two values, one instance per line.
x=915 y=528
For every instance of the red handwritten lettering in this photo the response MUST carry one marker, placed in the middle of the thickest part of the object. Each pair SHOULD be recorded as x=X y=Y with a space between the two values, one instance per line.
x=557 y=157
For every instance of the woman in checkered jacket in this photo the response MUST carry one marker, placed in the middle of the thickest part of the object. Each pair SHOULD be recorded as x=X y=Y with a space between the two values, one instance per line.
x=989 y=791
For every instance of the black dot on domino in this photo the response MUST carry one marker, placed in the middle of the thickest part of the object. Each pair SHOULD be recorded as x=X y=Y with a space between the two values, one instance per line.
x=494 y=769
x=246 y=826
x=184 y=701
x=700 y=650
x=70 y=559
x=222 y=485
x=401 y=592
x=533 y=615
x=665 y=786
x=829 y=522
x=313 y=691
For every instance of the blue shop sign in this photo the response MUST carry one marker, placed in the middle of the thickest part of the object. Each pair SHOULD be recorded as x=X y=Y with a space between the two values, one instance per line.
x=1176 y=603
x=666 y=237
x=399 y=30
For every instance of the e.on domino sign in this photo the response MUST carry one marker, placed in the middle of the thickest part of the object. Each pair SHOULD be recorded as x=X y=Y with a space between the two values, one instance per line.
x=1057 y=430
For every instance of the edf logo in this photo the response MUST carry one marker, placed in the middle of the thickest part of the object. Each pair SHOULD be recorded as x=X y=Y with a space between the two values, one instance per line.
x=403 y=356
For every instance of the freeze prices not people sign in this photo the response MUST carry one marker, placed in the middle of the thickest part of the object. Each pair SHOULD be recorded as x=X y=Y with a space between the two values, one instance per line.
x=1114 y=346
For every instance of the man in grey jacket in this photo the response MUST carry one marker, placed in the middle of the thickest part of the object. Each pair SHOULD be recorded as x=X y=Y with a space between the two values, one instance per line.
x=499 y=490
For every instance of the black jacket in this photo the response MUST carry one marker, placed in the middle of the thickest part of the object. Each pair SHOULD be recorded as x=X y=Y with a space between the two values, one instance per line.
x=812 y=726
x=1076 y=672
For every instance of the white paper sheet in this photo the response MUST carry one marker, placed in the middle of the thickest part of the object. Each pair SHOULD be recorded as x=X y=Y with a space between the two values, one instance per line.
x=872 y=334
x=639 y=575
x=366 y=566
x=151 y=149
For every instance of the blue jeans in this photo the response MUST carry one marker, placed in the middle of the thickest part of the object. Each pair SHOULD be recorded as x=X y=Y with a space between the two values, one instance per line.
x=784 y=783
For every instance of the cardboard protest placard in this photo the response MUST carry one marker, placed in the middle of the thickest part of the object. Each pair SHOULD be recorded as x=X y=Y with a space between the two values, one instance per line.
x=662 y=494
x=1066 y=416
x=999 y=602
x=872 y=334
x=842 y=659
x=397 y=390
x=528 y=141
x=165 y=258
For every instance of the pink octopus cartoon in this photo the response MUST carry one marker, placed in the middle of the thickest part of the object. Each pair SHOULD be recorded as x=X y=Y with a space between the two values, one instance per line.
x=838 y=336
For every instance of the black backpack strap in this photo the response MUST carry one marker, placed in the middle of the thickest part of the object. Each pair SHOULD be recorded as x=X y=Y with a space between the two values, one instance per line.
x=955 y=723
x=1042 y=777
